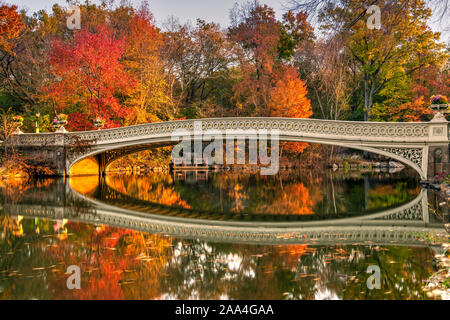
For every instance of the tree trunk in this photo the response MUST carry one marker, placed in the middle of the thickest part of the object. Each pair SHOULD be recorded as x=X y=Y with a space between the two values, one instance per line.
x=366 y=98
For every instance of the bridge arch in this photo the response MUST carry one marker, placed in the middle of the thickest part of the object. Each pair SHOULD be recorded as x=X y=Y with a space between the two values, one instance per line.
x=412 y=143
x=411 y=157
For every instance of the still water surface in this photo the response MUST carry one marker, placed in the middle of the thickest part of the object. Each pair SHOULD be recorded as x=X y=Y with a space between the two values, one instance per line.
x=122 y=263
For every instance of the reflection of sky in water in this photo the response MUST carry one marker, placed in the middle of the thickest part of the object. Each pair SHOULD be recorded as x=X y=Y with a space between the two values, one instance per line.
x=325 y=294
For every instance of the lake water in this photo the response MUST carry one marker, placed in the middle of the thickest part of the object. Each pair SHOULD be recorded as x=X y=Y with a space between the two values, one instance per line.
x=206 y=235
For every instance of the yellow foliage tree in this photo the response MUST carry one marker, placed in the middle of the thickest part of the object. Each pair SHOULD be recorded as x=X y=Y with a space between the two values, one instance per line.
x=142 y=58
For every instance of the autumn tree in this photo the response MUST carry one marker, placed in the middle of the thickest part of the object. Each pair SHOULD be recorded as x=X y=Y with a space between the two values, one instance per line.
x=22 y=68
x=418 y=110
x=150 y=99
x=288 y=99
x=432 y=80
x=314 y=7
x=330 y=76
x=197 y=60
x=404 y=41
x=264 y=45
x=258 y=37
x=89 y=75
x=25 y=71
x=11 y=25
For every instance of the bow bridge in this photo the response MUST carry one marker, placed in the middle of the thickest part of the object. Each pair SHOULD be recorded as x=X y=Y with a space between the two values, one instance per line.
x=423 y=146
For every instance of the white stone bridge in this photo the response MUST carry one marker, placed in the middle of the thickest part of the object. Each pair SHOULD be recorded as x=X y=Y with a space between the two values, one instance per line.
x=423 y=146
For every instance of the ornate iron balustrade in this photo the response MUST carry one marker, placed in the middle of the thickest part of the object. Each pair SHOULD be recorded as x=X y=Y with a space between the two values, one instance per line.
x=348 y=130
x=406 y=142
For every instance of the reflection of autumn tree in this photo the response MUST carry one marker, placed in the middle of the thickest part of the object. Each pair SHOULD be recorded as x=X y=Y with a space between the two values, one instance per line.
x=34 y=254
x=13 y=189
x=114 y=262
x=155 y=188
x=118 y=263
x=288 y=193
x=250 y=193
x=23 y=266
x=210 y=271
x=294 y=199
x=84 y=184
x=239 y=196
x=390 y=195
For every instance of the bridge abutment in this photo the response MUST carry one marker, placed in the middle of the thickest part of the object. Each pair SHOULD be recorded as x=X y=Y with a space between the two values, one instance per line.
x=51 y=152
x=101 y=161
x=438 y=160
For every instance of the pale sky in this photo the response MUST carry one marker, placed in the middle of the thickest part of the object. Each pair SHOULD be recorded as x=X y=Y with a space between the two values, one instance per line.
x=186 y=10
x=208 y=10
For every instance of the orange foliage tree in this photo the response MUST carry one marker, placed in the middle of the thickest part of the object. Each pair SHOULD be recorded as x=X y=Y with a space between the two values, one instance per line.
x=410 y=112
x=11 y=25
x=89 y=75
x=288 y=99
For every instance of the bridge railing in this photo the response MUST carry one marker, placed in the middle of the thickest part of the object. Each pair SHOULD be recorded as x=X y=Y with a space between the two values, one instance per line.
x=413 y=132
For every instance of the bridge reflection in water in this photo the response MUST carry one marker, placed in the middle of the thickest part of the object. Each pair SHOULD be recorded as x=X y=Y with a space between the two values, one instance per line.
x=403 y=225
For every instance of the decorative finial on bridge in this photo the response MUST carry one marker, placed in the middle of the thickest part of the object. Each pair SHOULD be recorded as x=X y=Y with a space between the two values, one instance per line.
x=59 y=122
x=99 y=123
x=18 y=122
x=439 y=105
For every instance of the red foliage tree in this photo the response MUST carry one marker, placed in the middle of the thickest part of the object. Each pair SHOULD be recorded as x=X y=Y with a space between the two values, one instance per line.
x=264 y=45
x=432 y=80
x=258 y=36
x=89 y=77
